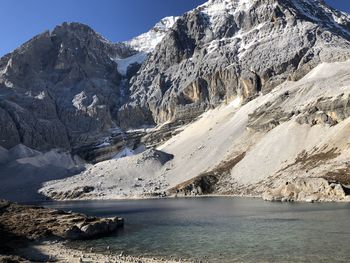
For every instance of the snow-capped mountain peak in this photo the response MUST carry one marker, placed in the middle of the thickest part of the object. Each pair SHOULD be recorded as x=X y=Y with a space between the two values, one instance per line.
x=214 y=7
x=149 y=40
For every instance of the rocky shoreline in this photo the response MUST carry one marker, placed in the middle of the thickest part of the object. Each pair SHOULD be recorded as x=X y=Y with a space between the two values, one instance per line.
x=37 y=234
x=21 y=225
x=60 y=252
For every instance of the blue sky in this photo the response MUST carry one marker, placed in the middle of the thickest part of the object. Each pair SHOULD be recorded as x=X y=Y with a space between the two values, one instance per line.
x=117 y=20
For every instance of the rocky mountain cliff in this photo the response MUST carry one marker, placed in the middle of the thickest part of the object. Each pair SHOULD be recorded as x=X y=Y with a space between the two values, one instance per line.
x=229 y=48
x=63 y=89
x=59 y=88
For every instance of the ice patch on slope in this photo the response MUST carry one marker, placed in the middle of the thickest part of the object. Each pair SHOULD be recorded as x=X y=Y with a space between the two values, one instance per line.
x=124 y=63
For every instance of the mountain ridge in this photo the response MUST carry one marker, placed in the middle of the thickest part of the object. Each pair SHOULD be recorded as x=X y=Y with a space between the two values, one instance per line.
x=194 y=31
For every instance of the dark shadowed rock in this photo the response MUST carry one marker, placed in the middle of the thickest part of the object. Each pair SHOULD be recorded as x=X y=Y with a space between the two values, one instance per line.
x=59 y=89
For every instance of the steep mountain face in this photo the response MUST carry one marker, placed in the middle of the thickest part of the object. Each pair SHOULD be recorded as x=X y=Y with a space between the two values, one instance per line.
x=59 y=88
x=62 y=89
x=229 y=48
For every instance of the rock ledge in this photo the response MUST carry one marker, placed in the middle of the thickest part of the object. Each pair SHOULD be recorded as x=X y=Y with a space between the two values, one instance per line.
x=34 y=223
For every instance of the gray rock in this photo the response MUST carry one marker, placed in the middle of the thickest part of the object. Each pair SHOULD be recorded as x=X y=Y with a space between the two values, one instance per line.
x=60 y=88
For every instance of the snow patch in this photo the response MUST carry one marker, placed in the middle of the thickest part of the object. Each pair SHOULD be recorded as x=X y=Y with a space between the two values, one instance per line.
x=124 y=63
x=40 y=96
x=8 y=84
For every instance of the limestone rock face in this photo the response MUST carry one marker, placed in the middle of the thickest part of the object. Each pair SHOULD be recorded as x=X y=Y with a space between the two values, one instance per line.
x=227 y=48
x=58 y=88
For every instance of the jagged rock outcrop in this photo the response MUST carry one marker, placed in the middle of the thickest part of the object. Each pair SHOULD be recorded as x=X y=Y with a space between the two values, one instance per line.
x=62 y=89
x=270 y=115
x=227 y=48
x=307 y=190
x=326 y=111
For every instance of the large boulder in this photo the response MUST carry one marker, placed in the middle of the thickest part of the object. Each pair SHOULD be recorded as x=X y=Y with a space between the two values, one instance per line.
x=35 y=223
x=96 y=228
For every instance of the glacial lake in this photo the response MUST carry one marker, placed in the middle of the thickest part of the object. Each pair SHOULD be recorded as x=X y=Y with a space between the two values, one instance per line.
x=223 y=229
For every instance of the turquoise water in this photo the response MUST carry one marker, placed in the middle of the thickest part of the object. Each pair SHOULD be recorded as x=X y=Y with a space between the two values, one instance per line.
x=224 y=229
